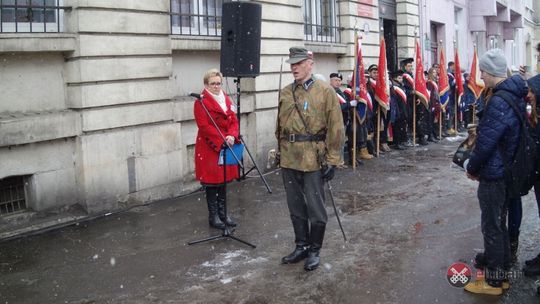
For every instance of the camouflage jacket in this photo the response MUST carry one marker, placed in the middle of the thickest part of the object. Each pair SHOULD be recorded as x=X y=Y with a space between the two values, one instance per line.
x=321 y=111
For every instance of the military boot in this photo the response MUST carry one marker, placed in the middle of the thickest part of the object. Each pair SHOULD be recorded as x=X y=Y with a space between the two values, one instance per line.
x=316 y=239
x=211 y=201
x=363 y=153
x=301 y=233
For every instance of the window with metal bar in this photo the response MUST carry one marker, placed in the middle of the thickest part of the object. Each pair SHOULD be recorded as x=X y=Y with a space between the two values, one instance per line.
x=321 y=21
x=32 y=16
x=196 y=17
x=12 y=195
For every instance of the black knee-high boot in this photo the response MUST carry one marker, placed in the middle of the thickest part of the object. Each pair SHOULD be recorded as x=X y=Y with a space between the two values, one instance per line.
x=222 y=207
x=316 y=236
x=212 y=202
x=301 y=238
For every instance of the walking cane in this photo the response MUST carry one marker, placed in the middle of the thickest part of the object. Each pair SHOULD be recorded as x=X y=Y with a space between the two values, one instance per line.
x=335 y=210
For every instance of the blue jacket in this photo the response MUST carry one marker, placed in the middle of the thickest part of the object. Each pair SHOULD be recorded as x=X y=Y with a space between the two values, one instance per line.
x=499 y=125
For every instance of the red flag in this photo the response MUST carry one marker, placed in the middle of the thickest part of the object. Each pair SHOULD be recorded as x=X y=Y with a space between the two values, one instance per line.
x=360 y=92
x=475 y=84
x=420 y=88
x=459 y=78
x=444 y=86
x=382 y=89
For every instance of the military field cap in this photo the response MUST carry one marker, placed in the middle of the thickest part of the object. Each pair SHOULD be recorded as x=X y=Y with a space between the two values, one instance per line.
x=373 y=67
x=299 y=53
x=406 y=61
x=336 y=75
x=396 y=73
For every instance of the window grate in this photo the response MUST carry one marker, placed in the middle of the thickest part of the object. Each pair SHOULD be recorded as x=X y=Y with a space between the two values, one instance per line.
x=12 y=195
x=196 y=17
x=321 y=21
x=31 y=16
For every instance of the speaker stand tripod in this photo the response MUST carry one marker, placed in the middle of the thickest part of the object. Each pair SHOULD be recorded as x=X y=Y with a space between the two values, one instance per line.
x=226 y=232
x=242 y=169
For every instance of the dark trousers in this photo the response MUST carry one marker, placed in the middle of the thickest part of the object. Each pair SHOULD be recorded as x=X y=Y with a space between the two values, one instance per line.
x=383 y=124
x=361 y=135
x=400 y=130
x=305 y=195
x=494 y=205
x=515 y=213
x=423 y=126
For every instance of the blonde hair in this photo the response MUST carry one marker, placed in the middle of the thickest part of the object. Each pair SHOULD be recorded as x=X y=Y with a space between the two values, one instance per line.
x=211 y=73
x=430 y=74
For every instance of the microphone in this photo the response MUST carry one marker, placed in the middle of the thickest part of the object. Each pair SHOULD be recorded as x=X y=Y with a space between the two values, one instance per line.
x=198 y=96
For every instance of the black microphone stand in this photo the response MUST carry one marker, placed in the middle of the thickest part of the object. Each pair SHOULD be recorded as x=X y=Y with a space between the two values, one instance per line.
x=226 y=232
x=241 y=169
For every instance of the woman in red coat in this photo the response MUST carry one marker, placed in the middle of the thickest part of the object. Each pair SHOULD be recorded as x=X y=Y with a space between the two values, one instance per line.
x=209 y=143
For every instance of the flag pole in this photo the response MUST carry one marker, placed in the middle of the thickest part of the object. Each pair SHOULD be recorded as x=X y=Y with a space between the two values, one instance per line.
x=440 y=105
x=470 y=78
x=456 y=99
x=473 y=111
x=353 y=110
x=414 y=105
x=378 y=129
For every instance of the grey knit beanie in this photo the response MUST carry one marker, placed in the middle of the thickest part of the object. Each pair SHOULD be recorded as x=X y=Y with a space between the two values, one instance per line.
x=493 y=62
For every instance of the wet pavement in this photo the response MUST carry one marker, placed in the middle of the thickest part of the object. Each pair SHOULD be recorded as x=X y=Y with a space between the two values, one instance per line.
x=408 y=216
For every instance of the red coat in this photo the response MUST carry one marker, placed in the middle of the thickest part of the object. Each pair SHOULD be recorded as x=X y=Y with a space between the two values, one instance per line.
x=208 y=143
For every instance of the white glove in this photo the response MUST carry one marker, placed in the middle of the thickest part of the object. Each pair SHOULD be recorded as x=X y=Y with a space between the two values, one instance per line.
x=353 y=103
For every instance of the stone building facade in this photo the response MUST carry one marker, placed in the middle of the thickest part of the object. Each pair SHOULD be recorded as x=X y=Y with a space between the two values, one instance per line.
x=95 y=108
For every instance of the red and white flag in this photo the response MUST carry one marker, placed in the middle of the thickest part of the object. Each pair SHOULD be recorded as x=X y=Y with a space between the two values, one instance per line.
x=420 y=87
x=359 y=82
x=382 y=89
x=476 y=84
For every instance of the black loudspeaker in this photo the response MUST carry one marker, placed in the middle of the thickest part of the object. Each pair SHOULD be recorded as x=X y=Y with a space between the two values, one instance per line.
x=240 y=39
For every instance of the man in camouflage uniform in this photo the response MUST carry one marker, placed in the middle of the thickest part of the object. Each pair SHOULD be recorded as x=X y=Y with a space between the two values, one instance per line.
x=311 y=135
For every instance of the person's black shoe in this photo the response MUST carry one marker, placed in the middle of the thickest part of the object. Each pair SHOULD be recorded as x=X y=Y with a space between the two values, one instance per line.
x=313 y=260
x=299 y=253
x=534 y=261
x=430 y=139
x=422 y=141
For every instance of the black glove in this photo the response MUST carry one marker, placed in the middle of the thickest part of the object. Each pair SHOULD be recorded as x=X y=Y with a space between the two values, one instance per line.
x=328 y=172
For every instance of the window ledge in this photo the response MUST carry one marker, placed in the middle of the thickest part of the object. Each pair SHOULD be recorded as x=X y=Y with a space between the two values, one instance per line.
x=195 y=43
x=37 y=42
x=327 y=48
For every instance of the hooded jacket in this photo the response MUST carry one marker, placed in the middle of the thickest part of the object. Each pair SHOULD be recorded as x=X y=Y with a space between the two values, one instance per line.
x=498 y=131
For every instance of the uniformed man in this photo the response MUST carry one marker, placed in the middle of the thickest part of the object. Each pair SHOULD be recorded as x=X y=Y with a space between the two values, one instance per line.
x=398 y=110
x=408 y=84
x=311 y=135
x=346 y=104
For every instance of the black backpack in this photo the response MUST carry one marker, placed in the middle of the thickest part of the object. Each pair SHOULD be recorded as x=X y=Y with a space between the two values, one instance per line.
x=520 y=175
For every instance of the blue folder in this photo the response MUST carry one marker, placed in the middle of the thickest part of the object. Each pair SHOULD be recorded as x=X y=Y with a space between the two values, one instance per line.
x=237 y=149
